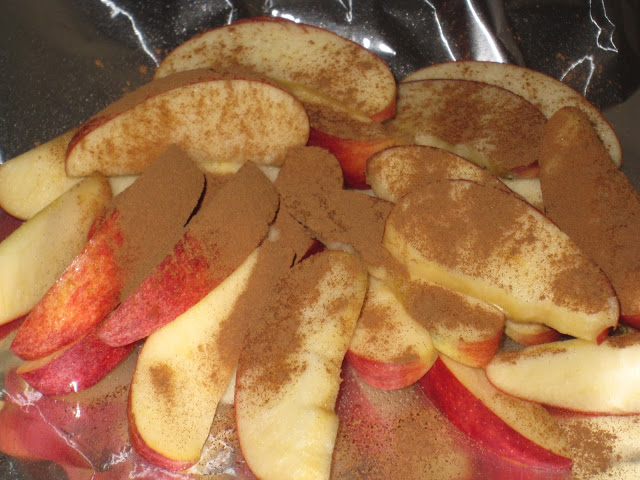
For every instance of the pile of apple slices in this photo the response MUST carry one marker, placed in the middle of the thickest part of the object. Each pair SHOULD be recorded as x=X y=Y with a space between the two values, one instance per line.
x=213 y=223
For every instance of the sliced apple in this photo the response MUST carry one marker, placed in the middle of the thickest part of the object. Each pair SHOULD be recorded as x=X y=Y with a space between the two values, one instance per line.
x=34 y=256
x=528 y=334
x=389 y=349
x=488 y=125
x=528 y=188
x=574 y=374
x=289 y=51
x=229 y=225
x=213 y=117
x=518 y=430
x=396 y=171
x=593 y=202
x=351 y=139
x=544 y=91
x=461 y=327
x=289 y=369
x=73 y=368
x=120 y=251
x=491 y=245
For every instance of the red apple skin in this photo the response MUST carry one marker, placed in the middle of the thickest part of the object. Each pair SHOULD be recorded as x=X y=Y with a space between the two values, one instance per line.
x=353 y=153
x=477 y=354
x=7 y=328
x=87 y=290
x=181 y=280
x=631 y=320
x=527 y=171
x=8 y=224
x=78 y=367
x=480 y=424
x=386 y=376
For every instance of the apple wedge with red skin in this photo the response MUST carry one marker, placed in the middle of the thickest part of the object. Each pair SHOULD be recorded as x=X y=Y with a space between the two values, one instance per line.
x=528 y=334
x=545 y=92
x=574 y=375
x=203 y=112
x=289 y=368
x=489 y=244
x=521 y=431
x=389 y=349
x=293 y=52
x=229 y=225
x=488 y=125
x=597 y=207
x=351 y=138
x=92 y=285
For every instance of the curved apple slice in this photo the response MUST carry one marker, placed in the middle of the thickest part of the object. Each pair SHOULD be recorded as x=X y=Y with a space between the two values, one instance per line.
x=35 y=255
x=488 y=125
x=491 y=245
x=530 y=333
x=516 y=429
x=213 y=117
x=574 y=374
x=389 y=349
x=289 y=370
x=295 y=52
x=544 y=91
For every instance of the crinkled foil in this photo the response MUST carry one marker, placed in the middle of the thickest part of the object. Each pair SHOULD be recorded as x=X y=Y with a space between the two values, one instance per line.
x=63 y=60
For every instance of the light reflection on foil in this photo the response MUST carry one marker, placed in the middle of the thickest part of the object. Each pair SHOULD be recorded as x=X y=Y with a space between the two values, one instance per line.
x=443 y=38
x=603 y=30
x=483 y=38
x=115 y=11
x=279 y=14
x=588 y=59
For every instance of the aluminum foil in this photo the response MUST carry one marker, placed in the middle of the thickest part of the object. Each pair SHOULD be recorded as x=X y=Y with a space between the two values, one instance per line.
x=63 y=60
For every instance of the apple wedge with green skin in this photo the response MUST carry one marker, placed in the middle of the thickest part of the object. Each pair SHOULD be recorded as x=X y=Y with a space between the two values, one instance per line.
x=521 y=431
x=35 y=255
x=287 y=51
x=396 y=171
x=574 y=375
x=92 y=284
x=545 y=92
x=389 y=349
x=229 y=225
x=351 y=138
x=597 y=207
x=490 y=126
x=528 y=334
x=491 y=245
x=289 y=369
x=461 y=327
x=193 y=111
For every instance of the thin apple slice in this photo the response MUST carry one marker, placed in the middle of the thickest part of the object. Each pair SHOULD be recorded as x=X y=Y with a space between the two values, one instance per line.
x=73 y=368
x=351 y=139
x=528 y=188
x=295 y=52
x=116 y=257
x=229 y=225
x=396 y=171
x=213 y=117
x=593 y=202
x=544 y=91
x=488 y=125
x=491 y=245
x=289 y=368
x=461 y=327
x=516 y=429
x=528 y=334
x=35 y=255
x=389 y=349
x=574 y=374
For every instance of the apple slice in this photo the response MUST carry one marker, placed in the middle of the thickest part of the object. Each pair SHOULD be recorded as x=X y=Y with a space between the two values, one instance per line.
x=461 y=327
x=493 y=246
x=295 y=52
x=528 y=188
x=544 y=91
x=34 y=255
x=528 y=334
x=396 y=171
x=120 y=251
x=73 y=368
x=229 y=225
x=389 y=349
x=593 y=202
x=351 y=138
x=488 y=125
x=212 y=116
x=574 y=374
x=289 y=369
x=518 y=430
